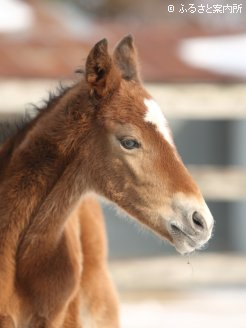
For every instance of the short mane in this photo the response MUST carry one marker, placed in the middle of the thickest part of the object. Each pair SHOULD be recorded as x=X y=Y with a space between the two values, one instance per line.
x=11 y=127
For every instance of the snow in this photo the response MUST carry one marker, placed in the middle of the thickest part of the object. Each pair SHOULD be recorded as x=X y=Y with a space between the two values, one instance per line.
x=224 y=54
x=15 y=16
x=204 y=309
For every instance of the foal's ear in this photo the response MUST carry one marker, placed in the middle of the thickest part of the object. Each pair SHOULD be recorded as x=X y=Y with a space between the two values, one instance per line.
x=98 y=69
x=125 y=57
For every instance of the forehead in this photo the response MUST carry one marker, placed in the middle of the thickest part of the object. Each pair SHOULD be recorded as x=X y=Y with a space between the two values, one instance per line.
x=135 y=106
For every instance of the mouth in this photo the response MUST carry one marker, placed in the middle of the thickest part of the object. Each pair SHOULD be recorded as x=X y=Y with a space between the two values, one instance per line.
x=178 y=232
x=184 y=241
x=185 y=233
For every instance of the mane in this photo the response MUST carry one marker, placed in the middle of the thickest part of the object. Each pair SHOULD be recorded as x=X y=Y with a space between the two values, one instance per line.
x=53 y=98
x=11 y=127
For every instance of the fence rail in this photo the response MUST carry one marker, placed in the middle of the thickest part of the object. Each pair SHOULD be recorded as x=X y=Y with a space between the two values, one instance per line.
x=220 y=183
x=179 y=101
x=177 y=273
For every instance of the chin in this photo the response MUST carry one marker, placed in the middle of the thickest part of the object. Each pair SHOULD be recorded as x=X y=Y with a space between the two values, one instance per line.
x=184 y=248
x=186 y=245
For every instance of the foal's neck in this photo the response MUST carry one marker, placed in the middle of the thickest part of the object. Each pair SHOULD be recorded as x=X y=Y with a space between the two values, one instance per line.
x=41 y=183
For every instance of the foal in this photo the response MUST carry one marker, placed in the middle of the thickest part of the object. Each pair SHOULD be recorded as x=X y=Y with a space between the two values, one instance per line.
x=104 y=135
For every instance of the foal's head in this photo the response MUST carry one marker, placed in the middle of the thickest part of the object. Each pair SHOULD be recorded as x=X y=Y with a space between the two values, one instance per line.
x=135 y=163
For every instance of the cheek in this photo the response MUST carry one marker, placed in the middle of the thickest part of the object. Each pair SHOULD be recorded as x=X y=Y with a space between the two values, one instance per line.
x=129 y=165
x=134 y=165
x=148 y=182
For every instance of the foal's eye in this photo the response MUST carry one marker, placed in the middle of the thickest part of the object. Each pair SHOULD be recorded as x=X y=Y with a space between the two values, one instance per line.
x=129 y=143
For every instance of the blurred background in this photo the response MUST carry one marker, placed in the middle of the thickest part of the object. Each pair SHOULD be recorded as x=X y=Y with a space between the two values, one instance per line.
x=193 y=61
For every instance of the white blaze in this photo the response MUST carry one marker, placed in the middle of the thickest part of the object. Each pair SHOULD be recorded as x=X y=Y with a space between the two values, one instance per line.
x=155 y=116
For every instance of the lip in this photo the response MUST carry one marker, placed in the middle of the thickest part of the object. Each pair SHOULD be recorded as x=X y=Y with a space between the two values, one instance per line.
x=182 y=240
x=176 y=231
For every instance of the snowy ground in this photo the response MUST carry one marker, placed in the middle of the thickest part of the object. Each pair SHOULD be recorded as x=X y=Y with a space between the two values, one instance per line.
x=204 y=309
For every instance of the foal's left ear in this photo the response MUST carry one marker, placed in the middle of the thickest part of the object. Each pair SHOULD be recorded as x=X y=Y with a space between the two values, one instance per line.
x=125 y=57
x=100 y=73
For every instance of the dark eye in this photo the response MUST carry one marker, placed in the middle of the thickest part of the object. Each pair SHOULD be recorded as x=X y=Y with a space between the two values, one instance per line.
x=129 y=143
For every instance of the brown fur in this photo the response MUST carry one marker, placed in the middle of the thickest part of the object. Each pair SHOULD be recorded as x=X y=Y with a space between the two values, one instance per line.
x=52 y=239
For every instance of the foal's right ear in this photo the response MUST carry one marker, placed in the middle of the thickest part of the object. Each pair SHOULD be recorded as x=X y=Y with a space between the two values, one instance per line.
x=97 y=68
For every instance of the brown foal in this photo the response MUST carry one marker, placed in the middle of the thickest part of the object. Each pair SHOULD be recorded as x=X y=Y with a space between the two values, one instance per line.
x=104 y=135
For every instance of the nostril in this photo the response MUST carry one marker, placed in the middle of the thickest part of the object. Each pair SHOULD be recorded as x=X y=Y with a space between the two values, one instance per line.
x=198 y=221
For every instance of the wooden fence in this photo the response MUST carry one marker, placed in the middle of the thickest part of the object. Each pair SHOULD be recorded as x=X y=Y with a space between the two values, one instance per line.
x=179 y=101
